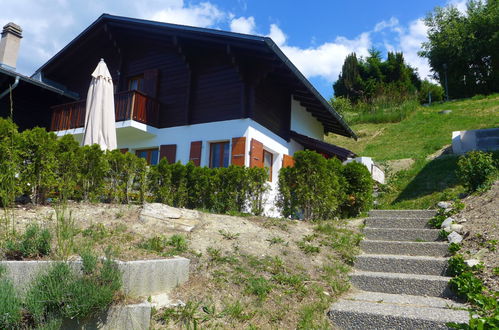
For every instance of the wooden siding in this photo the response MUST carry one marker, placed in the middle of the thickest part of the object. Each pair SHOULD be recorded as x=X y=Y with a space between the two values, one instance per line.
x=173 y=80
x=217 y=95
x=272 y=107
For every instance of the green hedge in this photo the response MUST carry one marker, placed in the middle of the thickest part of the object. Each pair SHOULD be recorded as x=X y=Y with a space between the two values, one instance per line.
x=319 y=188
x=37 y=164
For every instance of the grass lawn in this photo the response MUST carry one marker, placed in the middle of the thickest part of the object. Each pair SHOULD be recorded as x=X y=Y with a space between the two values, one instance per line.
x=424 y=132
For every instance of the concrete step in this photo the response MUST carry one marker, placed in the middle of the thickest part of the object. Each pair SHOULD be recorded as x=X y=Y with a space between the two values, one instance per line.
x=402 y=264
x=401 y=234
x=371 y=310
x=381 y=222
x=403 y=213
x=398 y=283
x=435 y=249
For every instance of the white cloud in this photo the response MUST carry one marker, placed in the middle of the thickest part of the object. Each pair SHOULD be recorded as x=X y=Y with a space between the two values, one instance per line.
x=204 y=14
x=243 y=25
x=459 y=4
x=326 y=60
x=277 y=35
x=393 y=22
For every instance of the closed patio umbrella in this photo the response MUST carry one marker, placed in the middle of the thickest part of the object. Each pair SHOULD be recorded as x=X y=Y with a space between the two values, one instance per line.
x=99 y=117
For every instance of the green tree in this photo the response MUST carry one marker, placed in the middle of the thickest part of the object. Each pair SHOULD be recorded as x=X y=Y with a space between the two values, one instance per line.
x=349 y=83
x=464 y=47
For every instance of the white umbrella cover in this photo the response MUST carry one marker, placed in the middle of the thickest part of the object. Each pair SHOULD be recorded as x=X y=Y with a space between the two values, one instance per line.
x=99 y=117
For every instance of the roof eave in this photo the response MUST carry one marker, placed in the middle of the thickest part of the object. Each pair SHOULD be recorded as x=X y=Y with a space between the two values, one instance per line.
x=310 y=87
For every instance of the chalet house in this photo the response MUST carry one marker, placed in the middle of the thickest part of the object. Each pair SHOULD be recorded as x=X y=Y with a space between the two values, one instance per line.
x=192 y=94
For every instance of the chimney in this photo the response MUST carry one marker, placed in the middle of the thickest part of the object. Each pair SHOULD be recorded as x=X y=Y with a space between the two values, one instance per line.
x=9 y=45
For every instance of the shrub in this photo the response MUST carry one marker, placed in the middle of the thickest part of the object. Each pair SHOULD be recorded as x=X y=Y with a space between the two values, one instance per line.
x=10 y=306
x=359 y=189
x=93 y=168
x=34 y=243
x=476 y=170
x=38 y=171
x=174 y=245
x=10 y=162
x=69 y=155
x=126 y=172
x=310 y=188
x=62 y=293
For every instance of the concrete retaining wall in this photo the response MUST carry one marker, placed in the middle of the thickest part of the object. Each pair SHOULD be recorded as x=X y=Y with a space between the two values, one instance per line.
x=130 y=317
x=479 y=139
x=140 y=277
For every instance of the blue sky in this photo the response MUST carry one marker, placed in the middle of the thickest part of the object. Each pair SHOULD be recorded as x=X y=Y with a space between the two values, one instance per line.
x=315 y=34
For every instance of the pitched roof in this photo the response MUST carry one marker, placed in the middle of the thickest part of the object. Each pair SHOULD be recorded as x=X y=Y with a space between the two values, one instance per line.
x=303 y=92
x=322 y=147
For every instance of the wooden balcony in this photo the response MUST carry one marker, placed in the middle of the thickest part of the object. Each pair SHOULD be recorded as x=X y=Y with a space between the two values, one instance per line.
x=129 y=105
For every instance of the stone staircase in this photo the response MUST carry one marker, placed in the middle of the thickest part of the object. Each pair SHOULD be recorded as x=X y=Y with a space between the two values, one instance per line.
x=399 y=281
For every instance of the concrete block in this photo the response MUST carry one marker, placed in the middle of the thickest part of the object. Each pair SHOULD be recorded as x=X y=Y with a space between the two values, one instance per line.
x=402 y=264
x=413 y=223
x=130 y=317
x=152 y=277
x=140 y=277
x=402 y=234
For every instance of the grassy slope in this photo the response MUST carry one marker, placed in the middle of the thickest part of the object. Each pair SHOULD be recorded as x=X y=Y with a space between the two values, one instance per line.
x=417 y=137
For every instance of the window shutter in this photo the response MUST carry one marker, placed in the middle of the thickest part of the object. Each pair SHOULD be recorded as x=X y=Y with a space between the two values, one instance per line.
x=169 y=151
x=288 y=161
x=151 y=82
x=238 y=151
x=195 y=154
x=124 y=150
x=256 y=154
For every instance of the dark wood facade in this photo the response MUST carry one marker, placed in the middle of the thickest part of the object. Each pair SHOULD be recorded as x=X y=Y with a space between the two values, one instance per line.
x=195 y=75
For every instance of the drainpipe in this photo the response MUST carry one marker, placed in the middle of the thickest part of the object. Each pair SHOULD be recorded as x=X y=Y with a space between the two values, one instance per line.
x=11 y=88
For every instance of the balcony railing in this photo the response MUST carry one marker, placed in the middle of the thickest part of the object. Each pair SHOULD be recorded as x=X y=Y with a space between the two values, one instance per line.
x=129 y=105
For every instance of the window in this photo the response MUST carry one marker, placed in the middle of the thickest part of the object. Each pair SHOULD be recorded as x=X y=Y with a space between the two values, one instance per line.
x=219 y=154
x=268 y=160
x=150 y=155
x=136 y=83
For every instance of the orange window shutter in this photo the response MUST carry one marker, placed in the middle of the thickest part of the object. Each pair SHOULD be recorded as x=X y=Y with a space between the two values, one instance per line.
x=195 y=154
x=288 y=161
x=256 y=154
x=169 y=151
x=238 y=151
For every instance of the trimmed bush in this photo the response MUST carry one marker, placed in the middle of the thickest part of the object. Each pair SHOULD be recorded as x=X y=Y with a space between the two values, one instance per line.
x=359 y=189
x=476 y=170
x=311 y=189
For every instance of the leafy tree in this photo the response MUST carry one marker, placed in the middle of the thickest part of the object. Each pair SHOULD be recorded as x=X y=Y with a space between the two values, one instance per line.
x=465 y=47
x=369 y=79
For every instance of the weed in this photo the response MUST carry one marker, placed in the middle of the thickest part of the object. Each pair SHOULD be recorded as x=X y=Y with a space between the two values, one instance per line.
x=454 y=247
x=275 y=240
x=258 y=286
x=442 y=234
x=97 y=232
x=495 y=271
x=217 y=257
x=65 y=232
x=308 y=248
x=11 y=306
x=174 y=245
x=228 y=235
x=236 y=311
x=34 y=243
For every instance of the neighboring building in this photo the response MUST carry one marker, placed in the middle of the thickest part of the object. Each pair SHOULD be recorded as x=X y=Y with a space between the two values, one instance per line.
x=192 y=94
x=28 y=99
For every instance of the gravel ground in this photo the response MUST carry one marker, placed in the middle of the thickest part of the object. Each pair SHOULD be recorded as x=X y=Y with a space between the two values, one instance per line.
x=482 y=232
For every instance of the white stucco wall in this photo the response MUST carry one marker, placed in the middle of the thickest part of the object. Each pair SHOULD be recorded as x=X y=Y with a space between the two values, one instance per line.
x=304 y=123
